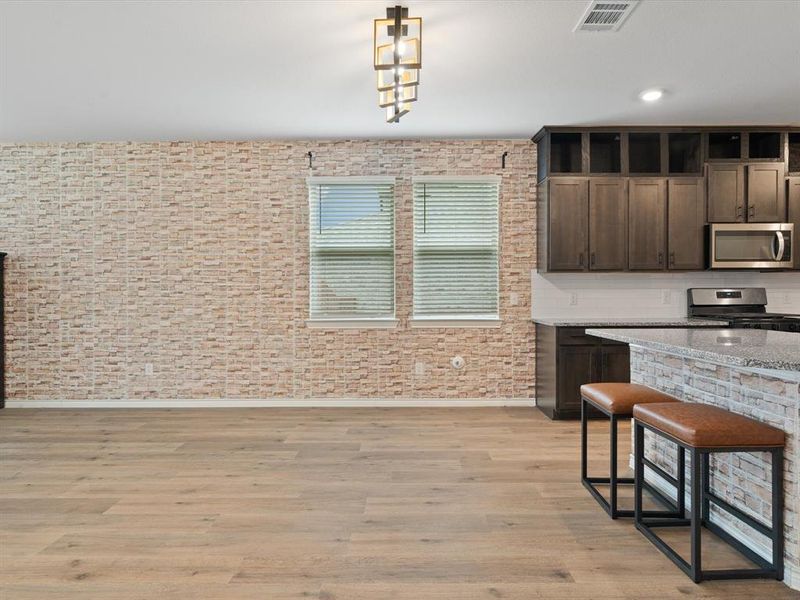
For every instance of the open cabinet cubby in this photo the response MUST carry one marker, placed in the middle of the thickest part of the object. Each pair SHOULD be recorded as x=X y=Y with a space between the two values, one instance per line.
x=604 y=152
x=685 y=153
x=724 y=144
x=794 y=152
x=565 y=153
x=765 y=144
x=644 y=153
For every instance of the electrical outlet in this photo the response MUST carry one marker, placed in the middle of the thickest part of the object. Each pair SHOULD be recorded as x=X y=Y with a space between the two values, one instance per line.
x=513 y=298
x=666 y=297
x=148 y=368
x=573 y=299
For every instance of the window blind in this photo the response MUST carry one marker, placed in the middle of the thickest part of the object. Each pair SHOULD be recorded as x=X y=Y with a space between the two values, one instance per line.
x=351 y=236
x=456 y=239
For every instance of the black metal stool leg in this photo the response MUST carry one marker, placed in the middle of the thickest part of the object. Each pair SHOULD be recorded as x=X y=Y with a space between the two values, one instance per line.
x=583 y=440
x=705 y=477
x=638 y=471
x=696 y=564
x=613 y=467
x=681 y=477
x=777 y=512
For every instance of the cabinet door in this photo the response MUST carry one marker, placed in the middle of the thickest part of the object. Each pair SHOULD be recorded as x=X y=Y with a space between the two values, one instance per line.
x=685 y=224
x=647 y=215
x=576 y=365
x=608 y=224
x=725 y=193
x=794 y=216
x=568 y=204
x=766 y=200
x=615 y=364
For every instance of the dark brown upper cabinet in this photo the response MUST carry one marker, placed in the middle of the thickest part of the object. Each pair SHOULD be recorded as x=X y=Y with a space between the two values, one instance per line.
x=608 y=224
x=647 y=214
x=739 y=193
x=724 y=145
x=627 y=193
x=666 y=224
x=766 y=199
x=567 y=202
x=605 y=152
x=685 y=153
x=794 y=212
x=644 y=153
x=686 y=218
x=725 y=193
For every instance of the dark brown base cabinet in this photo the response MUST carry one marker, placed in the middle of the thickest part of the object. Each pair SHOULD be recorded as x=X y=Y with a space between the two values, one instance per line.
x=566 y=358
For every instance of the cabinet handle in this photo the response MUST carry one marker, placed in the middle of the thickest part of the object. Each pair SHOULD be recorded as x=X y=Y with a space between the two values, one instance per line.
x=660 y=258
x=594 y=259
x=580 y=259
x=671 y=259
x=739 y=212
x=752 y=210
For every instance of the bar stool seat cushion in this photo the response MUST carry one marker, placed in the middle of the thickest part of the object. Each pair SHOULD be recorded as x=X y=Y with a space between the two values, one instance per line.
x=705 y=426
x=620 y=398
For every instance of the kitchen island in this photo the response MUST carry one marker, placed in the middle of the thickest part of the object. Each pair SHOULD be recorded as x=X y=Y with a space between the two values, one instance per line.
x=752 y=372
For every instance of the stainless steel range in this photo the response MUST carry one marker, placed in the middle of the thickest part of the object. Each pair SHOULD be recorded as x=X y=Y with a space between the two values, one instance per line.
x=743 y=308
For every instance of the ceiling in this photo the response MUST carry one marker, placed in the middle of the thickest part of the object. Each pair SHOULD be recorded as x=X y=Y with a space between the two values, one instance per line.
x=85 y=71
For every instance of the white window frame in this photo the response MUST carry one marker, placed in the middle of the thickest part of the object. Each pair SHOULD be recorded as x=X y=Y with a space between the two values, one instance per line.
x=388 y=322
x=450 y=321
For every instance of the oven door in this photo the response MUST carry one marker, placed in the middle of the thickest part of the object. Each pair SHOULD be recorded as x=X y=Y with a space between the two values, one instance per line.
x=751 y=245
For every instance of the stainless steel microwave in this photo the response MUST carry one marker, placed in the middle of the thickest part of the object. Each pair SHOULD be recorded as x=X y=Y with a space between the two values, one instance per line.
x=751 y=245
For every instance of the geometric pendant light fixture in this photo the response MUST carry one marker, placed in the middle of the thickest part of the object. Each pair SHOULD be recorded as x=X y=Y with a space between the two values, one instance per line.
x=397 y=50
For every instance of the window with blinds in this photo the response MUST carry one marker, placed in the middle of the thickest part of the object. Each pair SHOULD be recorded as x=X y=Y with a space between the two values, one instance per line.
x=456 y=247
x=351 y=236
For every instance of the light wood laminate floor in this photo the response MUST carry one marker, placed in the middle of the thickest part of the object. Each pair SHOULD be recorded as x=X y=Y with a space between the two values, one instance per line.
x=271 y=504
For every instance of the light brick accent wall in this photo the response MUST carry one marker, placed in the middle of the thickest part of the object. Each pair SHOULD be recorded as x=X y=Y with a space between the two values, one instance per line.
x=742 y=479
x=193 y=257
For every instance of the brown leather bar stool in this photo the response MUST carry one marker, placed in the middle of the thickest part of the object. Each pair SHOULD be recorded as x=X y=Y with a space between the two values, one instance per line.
x=702 y=430
x=616 y=400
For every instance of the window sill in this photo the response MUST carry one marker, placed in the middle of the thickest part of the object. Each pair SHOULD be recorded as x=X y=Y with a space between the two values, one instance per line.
x=445 y=322
x=351 y=323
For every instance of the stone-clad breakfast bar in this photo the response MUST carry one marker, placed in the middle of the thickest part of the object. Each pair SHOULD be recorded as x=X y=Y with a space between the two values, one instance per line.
x=751 y=372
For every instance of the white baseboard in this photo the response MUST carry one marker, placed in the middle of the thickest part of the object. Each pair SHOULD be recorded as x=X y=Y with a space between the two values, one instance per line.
x=273 y=403
x=791 y=575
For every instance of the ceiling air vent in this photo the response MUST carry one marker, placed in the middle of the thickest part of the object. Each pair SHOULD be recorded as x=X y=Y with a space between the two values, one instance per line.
x=605 y=15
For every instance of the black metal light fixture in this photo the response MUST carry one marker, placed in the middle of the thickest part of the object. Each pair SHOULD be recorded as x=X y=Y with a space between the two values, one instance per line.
x=397 y=50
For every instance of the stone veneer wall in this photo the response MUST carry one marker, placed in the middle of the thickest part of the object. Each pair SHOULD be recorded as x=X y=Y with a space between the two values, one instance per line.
x=742 y=479
x=193 y=257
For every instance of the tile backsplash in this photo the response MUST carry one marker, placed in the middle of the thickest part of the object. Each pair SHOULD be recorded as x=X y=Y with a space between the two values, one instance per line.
x=645 y=295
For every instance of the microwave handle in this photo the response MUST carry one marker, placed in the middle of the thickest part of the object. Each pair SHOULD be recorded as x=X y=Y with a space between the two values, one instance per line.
x=781 y=246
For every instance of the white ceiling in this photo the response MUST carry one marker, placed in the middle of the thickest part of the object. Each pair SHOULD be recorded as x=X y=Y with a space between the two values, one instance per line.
x=254 y=70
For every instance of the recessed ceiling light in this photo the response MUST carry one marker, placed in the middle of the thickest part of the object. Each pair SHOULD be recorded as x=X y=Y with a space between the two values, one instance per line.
x=651 y=95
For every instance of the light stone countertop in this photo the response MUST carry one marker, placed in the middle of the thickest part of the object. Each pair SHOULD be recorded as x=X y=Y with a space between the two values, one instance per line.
x=620 y=322
x=751 y=348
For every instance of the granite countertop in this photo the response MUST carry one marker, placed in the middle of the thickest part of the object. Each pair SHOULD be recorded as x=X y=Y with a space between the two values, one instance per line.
x=619 y=322
x=753 y=348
